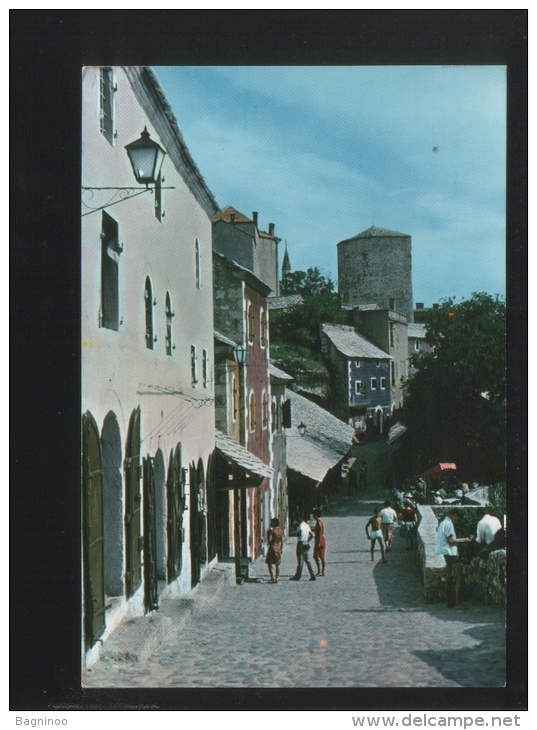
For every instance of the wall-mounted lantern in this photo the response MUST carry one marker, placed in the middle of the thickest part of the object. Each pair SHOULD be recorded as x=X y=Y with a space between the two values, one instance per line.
x=302 y=428
x=240 y=354
x=146 y=157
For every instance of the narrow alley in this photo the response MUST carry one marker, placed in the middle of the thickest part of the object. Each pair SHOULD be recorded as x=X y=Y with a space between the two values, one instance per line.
x=364 y=624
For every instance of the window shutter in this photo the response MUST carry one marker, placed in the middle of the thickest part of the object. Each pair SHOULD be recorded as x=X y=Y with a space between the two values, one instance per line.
x=286 y=414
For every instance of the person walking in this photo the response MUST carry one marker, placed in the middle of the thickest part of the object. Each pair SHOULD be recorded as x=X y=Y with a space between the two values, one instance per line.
x=446 y=545
x=275 y=549
x=410 y=524
x=319 y=546
x=389 y=520
x=305 y=535
x=373 y=530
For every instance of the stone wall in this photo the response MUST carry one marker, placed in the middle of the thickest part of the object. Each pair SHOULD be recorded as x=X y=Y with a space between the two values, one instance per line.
x=482 y=579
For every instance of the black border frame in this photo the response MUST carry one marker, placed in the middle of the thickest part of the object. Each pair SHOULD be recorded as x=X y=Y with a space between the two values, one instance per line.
x=47 y=50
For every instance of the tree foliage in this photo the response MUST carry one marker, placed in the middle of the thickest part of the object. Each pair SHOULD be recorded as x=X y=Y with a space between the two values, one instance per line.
x=454 y=406
x=299 y=325
x=307 y=283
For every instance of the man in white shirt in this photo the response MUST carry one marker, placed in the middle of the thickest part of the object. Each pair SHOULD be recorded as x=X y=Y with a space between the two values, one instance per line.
x=446 y=545
x=389 y=520
x=305 y=535
x=487 y=526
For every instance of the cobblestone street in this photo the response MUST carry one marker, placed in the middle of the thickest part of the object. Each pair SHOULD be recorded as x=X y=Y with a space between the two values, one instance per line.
x=363 y=624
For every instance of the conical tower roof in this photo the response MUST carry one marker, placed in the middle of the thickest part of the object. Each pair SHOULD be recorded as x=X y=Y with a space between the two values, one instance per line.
x=286 y=263
x=375 y=232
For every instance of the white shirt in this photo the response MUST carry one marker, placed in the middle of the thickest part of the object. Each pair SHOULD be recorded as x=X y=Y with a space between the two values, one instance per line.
x=304 y=533
x=487 y=527
x=446 y=529
x=388 y=515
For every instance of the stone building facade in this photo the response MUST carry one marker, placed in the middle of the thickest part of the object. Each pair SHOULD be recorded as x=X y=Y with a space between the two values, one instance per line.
x=375 y=266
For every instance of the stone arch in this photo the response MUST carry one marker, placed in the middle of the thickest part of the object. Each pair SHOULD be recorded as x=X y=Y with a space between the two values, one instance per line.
x=113 y=506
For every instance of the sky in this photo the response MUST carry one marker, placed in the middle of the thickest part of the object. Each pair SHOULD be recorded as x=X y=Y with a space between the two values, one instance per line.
x=325 y=152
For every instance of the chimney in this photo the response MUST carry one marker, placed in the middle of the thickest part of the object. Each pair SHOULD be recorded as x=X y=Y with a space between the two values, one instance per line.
x=436 y=306
x=271 y=229
x=419 y=305
x=254 y=216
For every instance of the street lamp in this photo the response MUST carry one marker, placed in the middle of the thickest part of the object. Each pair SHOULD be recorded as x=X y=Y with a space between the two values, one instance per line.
x=146 y=157
x=302 y=428
x=240 y=354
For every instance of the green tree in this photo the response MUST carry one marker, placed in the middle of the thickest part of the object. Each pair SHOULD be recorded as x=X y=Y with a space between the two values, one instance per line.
x=454 y=405
x=307 y=283
x=299 y=325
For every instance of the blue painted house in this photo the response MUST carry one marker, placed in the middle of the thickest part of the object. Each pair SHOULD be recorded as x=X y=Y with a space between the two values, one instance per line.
x=360 y=370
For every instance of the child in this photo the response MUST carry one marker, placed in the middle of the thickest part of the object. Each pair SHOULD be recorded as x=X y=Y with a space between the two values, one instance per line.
x=375 y=525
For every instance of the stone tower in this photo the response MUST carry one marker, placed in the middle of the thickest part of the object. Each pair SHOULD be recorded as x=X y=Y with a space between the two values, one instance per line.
x=375 y=267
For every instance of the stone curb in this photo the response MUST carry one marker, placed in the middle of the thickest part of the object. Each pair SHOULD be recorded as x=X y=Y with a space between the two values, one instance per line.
x=137 y=638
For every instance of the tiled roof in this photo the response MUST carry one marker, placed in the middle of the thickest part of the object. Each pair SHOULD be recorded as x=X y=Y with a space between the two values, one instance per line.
x=226 y=213
x=277 y=373
x=285 y=302
x=416 y=330
x=351 y=344
x=375 y=232
x=241 y=456
x=326 y=441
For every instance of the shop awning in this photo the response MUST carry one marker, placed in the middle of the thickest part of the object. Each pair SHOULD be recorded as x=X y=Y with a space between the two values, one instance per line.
x=439 y=469
x=244 y=459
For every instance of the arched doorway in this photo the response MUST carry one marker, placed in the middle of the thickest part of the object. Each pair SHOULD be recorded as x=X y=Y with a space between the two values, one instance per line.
x=93 y=531
x=175 y=488
x=150 y=537
x=198 y=551
x=133 y=557
x=212 y=507
x=160 y=512
x=112 y=506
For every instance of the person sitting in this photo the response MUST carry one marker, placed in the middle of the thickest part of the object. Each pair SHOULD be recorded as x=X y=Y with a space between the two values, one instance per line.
x=487 y=530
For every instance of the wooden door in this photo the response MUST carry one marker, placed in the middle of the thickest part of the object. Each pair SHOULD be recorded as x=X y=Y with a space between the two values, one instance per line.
x=150 y=538
x=93 y=532
x=133 y=539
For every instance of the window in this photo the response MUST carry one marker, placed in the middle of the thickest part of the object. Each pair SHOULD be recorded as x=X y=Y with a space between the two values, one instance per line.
x=393 y=372
x=193 y=364
x=359 y=389
x=169 y=330
x=110 y=252
x=251 y=412
x=417 y=345
x=263 y=327
x=392 y=303
x=383 y=383
x=264 y=410
x=392 y=334
x=273 y=409
x=205 y=369
x=373 y=383
x=150 y=337
x=250 y=323
x=198 y=264
x=106 y=104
